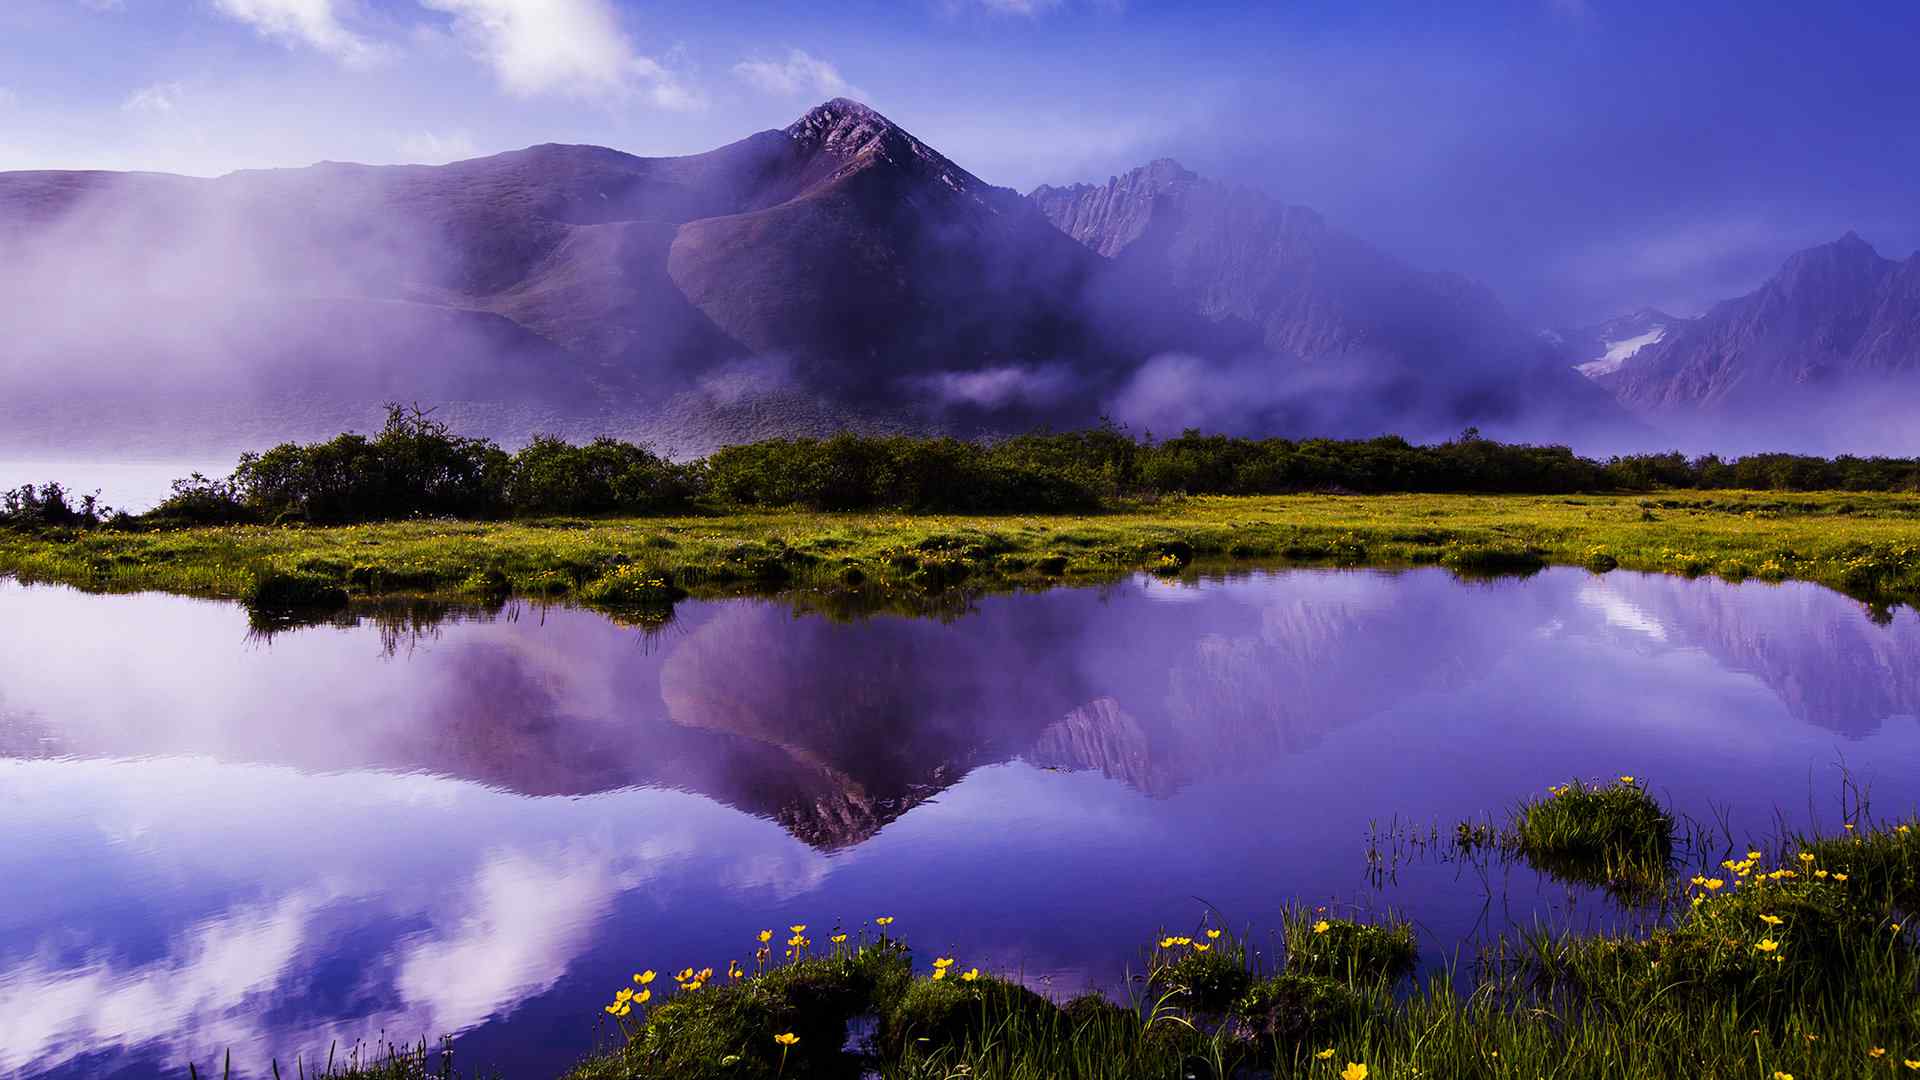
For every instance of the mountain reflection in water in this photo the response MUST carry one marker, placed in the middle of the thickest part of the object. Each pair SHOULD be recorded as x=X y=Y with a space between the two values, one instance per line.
x=424 y=819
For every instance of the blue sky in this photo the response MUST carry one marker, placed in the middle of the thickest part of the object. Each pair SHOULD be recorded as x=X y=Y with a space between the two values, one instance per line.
x=1582 y=156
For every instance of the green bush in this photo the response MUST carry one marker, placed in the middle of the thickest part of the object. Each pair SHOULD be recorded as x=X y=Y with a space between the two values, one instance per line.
x=606 y=476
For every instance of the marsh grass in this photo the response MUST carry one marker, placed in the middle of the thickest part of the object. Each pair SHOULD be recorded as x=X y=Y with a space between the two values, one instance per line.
x=381 y=1061
x=888 y=561
x=1613 y=835
x=1385 y=950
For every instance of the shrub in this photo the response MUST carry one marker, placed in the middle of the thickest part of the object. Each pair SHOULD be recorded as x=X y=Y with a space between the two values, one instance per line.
x=50 y=504
x=606 y=476
x=415 y=466
x=198 y=500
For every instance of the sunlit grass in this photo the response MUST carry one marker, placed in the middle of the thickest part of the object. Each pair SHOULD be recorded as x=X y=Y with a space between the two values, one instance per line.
x=1866 y=544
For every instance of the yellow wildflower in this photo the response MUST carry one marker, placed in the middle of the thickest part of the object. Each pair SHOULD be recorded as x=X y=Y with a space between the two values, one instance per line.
x=1626 y=779
x=1839 y=877
x=1909 y=1063
x=939 y=973
x=786 y=1038
x=1753 y=855
x=1201 y=946
x=1325 y=1055
x=1322 y=927
x=624 y=995
x=766 y=936
x=1354 y=1071
x=1166 y=943
x=1806 y=856
x=970 y=975
x=644 y=978
x=1778 y=1075
x=685 y=975
x=884 y=920
x=1714 y=884
x=1766 y=944
x=1213 y=935
x=1877 y=1052
x=799 y=928
x=943 y=962
x=643 y=997
x=1771 y=920
x=838 y=939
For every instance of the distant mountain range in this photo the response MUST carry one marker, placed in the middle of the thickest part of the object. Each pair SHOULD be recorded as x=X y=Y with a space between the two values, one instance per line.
x=836 y=273
x=1826 y=353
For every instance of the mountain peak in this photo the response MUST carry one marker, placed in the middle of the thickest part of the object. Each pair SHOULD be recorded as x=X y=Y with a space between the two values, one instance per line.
x=1849 y=258
x=843 y=124
x=855 y=136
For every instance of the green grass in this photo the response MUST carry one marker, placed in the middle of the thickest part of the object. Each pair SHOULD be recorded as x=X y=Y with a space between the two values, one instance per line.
x=1865 y=544
x=1612 y=835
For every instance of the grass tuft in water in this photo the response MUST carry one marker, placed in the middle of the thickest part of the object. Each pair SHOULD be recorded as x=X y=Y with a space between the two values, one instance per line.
x=1613 y=835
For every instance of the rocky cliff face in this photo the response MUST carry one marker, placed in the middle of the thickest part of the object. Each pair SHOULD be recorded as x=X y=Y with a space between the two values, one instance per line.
x=1838 y=318
x=1423 y=352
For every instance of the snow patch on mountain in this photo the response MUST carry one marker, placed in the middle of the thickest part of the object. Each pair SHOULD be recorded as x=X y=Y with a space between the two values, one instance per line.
x=1619 y=352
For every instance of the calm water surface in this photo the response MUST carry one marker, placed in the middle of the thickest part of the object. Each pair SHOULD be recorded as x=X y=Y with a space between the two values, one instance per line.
x=215 y=839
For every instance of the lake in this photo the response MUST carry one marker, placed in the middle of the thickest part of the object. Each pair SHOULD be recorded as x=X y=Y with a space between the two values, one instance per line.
x=430 y=820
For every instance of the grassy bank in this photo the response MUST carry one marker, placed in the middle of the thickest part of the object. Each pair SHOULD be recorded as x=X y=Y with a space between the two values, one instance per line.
x=1798 y=961
x=1867 y=545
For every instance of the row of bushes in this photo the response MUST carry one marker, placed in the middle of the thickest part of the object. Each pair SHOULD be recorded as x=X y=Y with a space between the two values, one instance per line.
x=415 y=467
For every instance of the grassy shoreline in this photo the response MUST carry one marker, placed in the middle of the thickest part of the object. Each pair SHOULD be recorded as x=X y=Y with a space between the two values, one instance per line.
x=1866 y=545
x=1793 y=959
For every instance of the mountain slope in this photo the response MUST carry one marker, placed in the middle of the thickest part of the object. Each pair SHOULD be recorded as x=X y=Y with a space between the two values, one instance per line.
x=1602 y=348
x=1836 y=321
x=1360 y=342
x=836 y=273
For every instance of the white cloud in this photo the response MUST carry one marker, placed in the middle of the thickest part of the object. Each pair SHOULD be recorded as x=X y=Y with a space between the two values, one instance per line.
x=801 y=73
x=303 y=22
x=1028 y=8
x=573 y=47
x=156 y=99
x=438 y=147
